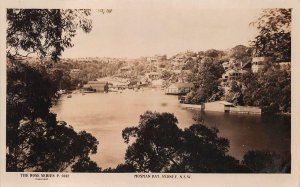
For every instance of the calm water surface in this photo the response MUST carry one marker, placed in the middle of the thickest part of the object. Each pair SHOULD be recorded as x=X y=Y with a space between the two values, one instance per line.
x=106 y=115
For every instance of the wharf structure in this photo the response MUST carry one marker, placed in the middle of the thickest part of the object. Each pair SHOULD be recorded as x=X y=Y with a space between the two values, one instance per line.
x=224 y=106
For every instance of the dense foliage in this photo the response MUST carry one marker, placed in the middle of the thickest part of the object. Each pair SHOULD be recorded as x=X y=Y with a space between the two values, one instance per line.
x=36 y=141
x=45 y=32
x=241 y=53
x=208 y=77
x=269 y=89
x=274 y=37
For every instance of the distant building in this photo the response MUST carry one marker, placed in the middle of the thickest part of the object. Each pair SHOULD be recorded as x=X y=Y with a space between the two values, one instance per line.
x=258 y=63
x=96 y=86
x=179 y=88
x=232 y=74
x=157 y=58
x=246 y=66
x=153 y=75
x=236 y=64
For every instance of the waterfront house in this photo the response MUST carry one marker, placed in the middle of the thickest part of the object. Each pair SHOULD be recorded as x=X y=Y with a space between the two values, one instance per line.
x=96 y=86
x=179 y=88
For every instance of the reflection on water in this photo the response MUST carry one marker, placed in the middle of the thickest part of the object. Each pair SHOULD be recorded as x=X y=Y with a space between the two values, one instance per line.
x=106 y=115
x=248 y=132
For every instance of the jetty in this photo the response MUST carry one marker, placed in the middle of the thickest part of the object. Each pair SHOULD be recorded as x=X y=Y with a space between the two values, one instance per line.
x=223 y=106
x=191 y=106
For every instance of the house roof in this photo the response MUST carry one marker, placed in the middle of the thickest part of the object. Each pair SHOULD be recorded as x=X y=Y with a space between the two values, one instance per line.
x=246 y=65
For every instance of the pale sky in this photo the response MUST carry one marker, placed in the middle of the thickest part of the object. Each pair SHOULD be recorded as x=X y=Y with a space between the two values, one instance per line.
x=135 y=32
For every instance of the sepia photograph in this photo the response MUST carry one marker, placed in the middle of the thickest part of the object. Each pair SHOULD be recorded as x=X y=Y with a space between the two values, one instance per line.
x=173 y=91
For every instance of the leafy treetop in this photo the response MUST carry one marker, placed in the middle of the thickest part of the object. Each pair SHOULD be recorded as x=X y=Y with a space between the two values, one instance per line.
x=44 y=32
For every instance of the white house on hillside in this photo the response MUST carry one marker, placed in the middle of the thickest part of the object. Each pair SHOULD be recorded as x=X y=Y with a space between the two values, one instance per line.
x=232 y=74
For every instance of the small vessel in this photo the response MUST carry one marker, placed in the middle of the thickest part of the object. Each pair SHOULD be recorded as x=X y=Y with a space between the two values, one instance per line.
x=69 y=96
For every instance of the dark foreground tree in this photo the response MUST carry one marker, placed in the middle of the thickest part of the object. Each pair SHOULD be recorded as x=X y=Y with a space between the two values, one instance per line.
x=44 y=32
x=35 y=140
x=157 y=140
x=86 y=165
x=160 y=146
x=121 y=168
x=266 y=162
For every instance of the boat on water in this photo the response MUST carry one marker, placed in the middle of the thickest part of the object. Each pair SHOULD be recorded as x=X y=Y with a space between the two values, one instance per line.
x=69 y=96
